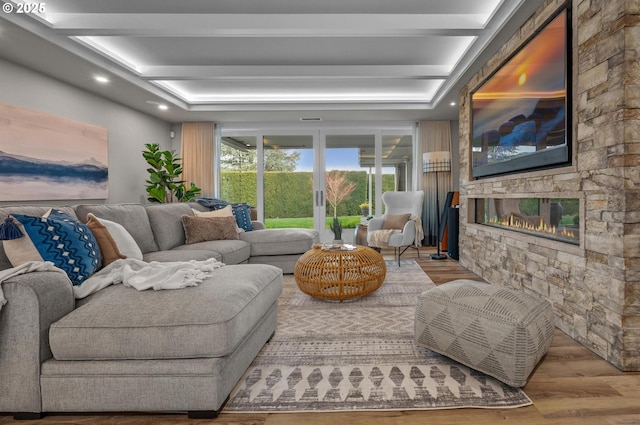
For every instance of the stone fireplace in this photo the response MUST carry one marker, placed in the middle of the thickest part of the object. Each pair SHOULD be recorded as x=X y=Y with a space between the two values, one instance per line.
x=593 y=281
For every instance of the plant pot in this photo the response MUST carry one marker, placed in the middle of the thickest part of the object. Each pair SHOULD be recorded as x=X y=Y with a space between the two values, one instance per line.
x=365 y=211
x=338 y=241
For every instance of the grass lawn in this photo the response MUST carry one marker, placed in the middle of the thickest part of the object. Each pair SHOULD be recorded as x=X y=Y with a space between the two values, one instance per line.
x=348 y=222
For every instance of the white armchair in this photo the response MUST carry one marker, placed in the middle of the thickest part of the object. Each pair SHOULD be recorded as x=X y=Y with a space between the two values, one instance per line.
x=397 y=203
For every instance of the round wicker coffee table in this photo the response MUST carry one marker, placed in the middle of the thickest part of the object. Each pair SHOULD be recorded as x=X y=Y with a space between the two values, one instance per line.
x=340 y=275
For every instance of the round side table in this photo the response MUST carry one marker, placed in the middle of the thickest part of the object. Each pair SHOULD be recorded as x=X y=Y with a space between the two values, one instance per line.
x=360 y=234
x=340 y=275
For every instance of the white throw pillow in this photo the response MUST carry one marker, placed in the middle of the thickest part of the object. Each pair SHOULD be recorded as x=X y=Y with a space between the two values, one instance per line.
x=125 y=242
x=222 y=212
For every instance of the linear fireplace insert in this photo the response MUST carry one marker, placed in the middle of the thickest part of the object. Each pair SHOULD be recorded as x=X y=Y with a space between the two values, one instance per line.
x=556 y=219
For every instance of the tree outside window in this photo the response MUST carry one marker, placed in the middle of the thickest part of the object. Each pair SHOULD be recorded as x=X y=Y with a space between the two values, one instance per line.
x=338 y=189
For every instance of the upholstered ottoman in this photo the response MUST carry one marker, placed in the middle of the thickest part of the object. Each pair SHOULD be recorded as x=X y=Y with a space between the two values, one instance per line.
x=498 y=331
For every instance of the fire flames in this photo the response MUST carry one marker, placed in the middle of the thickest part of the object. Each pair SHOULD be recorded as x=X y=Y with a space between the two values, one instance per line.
x=516 y=222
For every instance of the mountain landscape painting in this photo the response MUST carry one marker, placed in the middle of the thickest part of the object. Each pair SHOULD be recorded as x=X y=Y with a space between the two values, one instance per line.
x=46 y=157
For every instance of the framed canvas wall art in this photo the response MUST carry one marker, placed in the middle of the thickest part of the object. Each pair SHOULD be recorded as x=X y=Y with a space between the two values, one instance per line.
x=46 y=157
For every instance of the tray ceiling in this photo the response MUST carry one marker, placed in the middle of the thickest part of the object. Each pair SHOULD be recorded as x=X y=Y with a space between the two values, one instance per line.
x=240 y=60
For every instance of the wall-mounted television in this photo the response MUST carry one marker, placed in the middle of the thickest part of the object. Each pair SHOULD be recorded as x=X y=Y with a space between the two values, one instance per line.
x=520 y=115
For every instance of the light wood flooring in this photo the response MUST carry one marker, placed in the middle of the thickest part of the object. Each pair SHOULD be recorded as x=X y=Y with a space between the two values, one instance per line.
x=571 y=386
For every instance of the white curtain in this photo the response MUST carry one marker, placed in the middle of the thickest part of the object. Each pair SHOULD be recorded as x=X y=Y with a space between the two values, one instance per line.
x=197 y=151
x=434 y=136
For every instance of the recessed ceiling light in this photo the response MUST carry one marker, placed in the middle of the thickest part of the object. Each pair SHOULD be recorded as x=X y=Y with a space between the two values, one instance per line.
x=158 y=104
x=453 y=104
x=101 y=79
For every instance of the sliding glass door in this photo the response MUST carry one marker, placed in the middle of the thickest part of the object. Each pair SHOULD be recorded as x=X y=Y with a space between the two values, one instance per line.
x=358 y=167
x=288 y=180
x=238 y=168
x=307 y=178
x=349 y=168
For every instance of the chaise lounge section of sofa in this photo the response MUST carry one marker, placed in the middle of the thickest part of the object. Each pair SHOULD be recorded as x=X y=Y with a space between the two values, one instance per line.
x=120 y=349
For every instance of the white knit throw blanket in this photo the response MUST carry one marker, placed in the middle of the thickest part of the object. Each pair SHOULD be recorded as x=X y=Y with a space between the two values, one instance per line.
x=380 y=238
x=28 y=267
x=130 y=272
x=142 y=275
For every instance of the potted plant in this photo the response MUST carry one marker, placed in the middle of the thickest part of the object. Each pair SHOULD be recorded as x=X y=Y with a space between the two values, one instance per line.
x=164 y=184
x=336 y=228
x=364 y=207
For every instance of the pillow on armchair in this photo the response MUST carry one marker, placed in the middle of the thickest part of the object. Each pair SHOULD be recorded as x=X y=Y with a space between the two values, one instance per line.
x=395 y=221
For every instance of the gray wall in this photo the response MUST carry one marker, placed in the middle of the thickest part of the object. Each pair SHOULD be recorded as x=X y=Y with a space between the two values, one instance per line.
x=128 y=129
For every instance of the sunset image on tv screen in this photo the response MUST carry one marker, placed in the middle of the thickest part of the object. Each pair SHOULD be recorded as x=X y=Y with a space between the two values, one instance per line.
x=521 y=108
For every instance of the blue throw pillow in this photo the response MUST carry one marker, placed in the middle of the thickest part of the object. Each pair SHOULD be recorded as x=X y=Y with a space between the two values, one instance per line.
x=242 y=213
x=59 y=238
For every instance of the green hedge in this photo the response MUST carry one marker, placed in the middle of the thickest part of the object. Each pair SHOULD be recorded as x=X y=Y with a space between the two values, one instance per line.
x=290 y=194
x=529 y=206
x=239 y=187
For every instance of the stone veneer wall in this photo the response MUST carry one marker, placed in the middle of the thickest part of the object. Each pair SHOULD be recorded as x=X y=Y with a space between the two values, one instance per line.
x=594 y=288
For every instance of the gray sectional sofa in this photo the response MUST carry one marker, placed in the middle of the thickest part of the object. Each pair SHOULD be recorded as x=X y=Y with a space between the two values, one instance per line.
x=120 y=349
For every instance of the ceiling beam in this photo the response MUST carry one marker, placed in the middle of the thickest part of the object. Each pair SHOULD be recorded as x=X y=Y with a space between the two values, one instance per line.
x=294 y=72
x=271 y=6
x=361 y=106
x=265 y=25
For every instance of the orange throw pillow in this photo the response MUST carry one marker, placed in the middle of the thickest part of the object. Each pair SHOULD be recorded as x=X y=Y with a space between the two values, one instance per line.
x=108 y=246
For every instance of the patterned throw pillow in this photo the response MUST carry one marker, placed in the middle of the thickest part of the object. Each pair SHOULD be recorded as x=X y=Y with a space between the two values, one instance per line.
x=55 y=237
x=242 y=213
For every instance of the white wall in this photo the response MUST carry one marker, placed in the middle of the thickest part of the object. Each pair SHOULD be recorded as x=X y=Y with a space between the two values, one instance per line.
x=128 y=129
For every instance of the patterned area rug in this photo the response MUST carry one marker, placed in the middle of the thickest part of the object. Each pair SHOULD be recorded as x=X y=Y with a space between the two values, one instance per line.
x=360 y=355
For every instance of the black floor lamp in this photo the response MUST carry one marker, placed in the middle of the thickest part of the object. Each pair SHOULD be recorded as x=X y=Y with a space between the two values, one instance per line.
x=436 y=162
